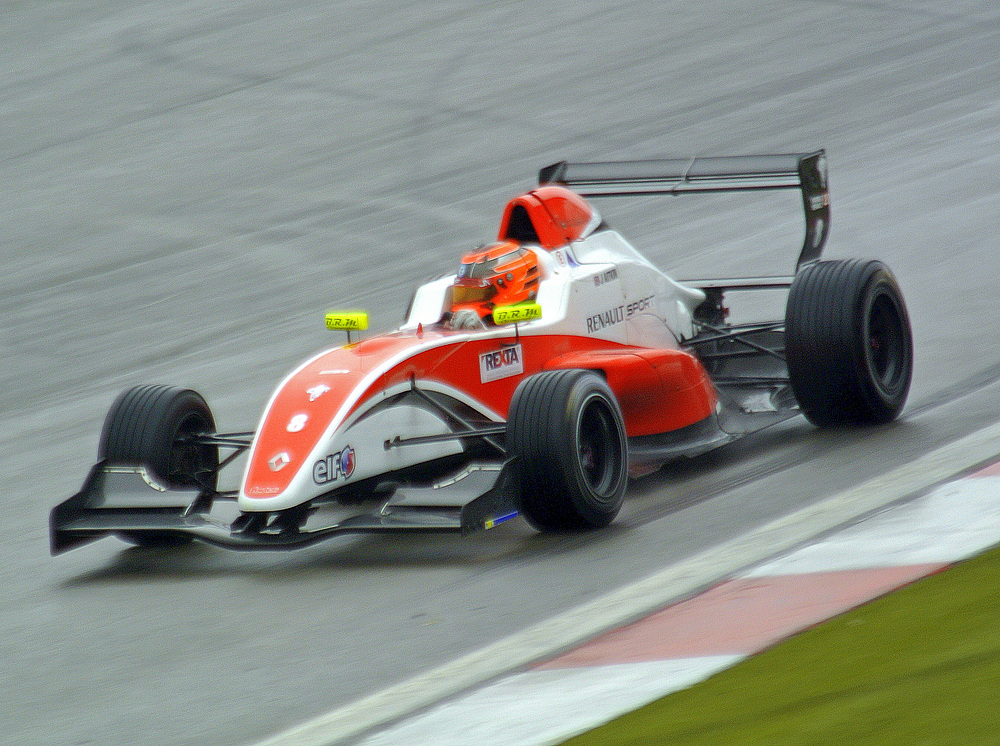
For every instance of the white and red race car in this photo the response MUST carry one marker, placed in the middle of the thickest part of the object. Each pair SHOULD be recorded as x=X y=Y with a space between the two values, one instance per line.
x=554 y=364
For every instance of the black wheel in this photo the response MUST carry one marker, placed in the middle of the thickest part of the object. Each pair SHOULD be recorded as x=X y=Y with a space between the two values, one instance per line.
x=151 y=425
x=848 y=343
x=567 y=432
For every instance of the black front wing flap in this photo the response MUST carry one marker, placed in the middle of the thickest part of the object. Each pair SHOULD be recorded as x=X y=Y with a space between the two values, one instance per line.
x=127 y=501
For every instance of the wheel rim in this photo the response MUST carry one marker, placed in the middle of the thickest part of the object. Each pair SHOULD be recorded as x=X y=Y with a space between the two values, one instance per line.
x=189 y=461
x=886 y=345
x=598 y=447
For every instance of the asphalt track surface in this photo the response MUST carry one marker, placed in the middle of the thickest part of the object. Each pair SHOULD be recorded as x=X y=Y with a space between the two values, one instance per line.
x=185 y=187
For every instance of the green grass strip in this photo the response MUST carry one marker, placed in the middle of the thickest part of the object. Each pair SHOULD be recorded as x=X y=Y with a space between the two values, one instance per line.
x=918 y=666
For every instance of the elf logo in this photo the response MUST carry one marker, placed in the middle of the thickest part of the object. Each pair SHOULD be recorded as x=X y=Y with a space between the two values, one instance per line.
x=336 y=466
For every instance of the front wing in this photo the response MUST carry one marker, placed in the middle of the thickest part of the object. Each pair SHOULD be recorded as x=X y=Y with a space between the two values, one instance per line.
x=127 y=501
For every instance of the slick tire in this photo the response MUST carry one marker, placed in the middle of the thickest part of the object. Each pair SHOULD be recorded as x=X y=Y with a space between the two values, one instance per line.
x=566 y=431
x=848 y=343
x=147 y=426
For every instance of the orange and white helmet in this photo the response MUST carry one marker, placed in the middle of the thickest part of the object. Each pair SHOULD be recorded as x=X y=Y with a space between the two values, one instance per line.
x=495 y=275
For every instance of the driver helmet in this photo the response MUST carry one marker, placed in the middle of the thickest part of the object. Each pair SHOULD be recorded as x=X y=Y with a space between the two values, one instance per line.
x=495 y=275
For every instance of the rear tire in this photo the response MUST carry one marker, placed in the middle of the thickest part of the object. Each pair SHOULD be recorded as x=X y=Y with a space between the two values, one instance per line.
x=147 y=426
x=566 y=430
x=848 y=343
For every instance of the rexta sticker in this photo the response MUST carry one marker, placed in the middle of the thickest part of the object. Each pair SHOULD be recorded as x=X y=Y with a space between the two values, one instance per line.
x=502 y=363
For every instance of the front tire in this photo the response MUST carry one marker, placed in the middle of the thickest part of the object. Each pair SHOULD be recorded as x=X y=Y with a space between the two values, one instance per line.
x=848 y=343
x=151 y=426
x=566 y=430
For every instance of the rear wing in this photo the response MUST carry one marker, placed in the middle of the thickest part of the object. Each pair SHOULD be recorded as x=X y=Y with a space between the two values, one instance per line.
x=803 y=171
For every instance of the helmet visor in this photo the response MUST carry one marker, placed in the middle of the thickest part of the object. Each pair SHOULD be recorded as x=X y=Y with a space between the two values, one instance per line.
x=465 y=294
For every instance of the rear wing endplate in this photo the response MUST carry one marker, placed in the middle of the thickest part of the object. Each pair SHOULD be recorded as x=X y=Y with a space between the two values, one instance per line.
x=803 y=171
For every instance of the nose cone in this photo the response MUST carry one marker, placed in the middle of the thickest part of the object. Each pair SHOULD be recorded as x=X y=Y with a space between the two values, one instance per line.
x=296 y=420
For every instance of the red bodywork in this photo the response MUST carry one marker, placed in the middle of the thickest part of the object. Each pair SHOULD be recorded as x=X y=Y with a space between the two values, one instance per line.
x=658 y=390
x=550 y=215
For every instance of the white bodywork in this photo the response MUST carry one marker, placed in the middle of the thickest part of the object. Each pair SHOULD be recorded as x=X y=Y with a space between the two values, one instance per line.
x=598 y=287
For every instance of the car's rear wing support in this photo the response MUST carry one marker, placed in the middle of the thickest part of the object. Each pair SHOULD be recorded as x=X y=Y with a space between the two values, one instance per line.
x=803 y=171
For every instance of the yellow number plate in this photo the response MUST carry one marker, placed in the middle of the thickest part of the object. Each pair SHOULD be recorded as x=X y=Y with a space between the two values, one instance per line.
x=520 y=312
x=354 y=321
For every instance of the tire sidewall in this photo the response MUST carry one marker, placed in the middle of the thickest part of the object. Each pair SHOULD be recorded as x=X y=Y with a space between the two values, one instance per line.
x=546 y=425
x=588 y=396
x=143 y=425
x=885 y=393
x=833 y=370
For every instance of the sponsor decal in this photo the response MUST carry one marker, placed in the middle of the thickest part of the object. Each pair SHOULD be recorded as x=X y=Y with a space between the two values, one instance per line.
x=819 y=201
x=604 y=319
x=605 y=277
x=565 y=258
x=297 y=423
x=502 y=363
x=336 y=466
x=263 y=491
x=636 y=306
x=279 y=462
x=518 y=312
x=349 y=320
x=617 y=315
x=318 y=390
x=334 y=372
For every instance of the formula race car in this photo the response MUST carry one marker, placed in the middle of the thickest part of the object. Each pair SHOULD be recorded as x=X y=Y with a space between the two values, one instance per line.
x=554 y=364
